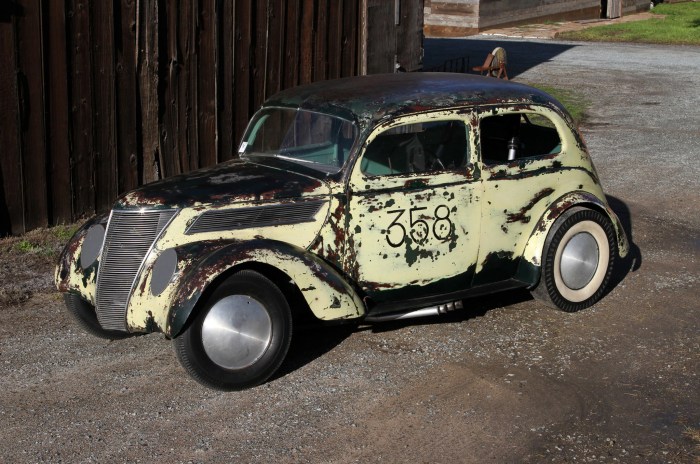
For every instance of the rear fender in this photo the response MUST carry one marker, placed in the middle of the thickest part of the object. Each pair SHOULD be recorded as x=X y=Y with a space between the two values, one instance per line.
x=529 y=267
x=326 y=292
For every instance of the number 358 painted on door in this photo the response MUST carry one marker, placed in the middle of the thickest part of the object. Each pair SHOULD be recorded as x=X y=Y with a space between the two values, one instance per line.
x=419 y=230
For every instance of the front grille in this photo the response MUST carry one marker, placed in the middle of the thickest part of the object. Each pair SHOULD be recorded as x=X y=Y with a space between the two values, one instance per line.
x=130 y=235
x=257 y=216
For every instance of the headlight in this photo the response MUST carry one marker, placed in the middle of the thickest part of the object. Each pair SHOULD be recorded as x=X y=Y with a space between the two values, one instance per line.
x=92 y=245
x=163 y=270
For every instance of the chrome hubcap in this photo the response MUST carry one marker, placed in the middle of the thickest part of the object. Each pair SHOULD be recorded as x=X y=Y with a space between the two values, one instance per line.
x=579 y=260
x=236 y=332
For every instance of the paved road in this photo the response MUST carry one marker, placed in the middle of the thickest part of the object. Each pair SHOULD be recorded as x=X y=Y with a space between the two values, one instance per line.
x=506 y=380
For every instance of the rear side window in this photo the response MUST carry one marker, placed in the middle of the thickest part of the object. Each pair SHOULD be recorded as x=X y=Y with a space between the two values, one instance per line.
x=417 y=148
x=508 y=137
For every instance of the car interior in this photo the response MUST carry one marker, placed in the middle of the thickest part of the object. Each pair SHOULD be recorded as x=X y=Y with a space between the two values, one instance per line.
x=508 y=137
x=417 y=148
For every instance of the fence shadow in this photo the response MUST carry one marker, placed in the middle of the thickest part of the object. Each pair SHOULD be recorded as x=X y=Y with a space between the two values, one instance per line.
x=522 y=55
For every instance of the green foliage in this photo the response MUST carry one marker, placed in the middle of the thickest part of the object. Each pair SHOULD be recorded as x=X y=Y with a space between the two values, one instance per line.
x=680 y=25
x=46 y=242
x=25 y=246
x=63 y=233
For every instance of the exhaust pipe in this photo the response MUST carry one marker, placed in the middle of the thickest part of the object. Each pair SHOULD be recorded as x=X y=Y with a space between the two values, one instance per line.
x=430 y=311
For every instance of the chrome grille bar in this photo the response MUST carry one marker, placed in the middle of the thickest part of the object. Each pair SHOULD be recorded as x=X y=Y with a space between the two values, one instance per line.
x=256 y=216
x=130 y=236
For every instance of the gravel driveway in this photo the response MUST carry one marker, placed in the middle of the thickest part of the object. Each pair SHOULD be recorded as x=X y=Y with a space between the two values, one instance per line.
x=506 y=380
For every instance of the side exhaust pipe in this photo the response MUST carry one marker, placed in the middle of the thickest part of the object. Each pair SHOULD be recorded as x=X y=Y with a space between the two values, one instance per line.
x=430 y=311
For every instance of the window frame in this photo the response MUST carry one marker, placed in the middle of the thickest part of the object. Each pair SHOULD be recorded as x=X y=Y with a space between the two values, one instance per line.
x=423 y=118
x=557 y=121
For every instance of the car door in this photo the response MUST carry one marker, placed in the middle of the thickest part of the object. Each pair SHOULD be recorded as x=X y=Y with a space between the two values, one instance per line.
x=522 y=154
x=414 y=209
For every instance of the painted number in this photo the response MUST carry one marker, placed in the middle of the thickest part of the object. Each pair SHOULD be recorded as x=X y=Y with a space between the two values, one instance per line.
x=419 y=229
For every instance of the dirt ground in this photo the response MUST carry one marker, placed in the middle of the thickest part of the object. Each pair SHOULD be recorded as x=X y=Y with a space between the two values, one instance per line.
x=505 y=380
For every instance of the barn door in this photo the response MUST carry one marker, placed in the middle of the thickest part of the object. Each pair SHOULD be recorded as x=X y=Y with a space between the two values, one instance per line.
x=614 y=9
x=393 y=34
x=380 y=41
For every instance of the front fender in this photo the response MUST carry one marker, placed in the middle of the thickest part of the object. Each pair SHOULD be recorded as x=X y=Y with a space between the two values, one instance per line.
x=69 y=275
x=328 y=295
x=529 y=267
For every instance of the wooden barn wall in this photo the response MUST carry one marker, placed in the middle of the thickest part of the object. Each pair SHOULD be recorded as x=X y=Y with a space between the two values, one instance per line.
x=635 y=6
x=451 y=18
x=494 y=13
x=98 y=97
x=459 y=18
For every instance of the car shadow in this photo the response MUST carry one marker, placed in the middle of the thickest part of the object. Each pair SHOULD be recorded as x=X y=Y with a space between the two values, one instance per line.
x=473 y=308
x=522 y=55
x=312 y=341
x=633 y=261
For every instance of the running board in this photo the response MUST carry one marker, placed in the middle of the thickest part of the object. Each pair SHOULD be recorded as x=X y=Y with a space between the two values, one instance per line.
x=424 y=312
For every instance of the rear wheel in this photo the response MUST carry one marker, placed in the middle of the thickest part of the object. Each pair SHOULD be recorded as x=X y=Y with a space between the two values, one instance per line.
x=241 y=335
x=577 y=260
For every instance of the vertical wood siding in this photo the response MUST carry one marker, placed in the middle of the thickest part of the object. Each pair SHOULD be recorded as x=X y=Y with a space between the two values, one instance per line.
x=98 y=97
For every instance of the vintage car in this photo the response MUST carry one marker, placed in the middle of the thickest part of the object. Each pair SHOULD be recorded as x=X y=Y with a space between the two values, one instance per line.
x=354 y=200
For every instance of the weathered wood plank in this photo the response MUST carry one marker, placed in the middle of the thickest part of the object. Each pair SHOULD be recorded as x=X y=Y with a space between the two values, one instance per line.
x=335 y=37
x=291 y=44
x=226 y=57
x=191 y=100
x=58 y=130
x=103 y=75
x=81 y=107
x=351 y=49
x=275 y=47
x=381 y=37
x=32 y=119
x=11 y=204
x=409 y=40
x=170 y=140
x=206 y=84
x=126 y=95
x=321 y=41
x=306 y=42
x=147 y=69
x=186 y=100
x=259 y=54
x=243 y=76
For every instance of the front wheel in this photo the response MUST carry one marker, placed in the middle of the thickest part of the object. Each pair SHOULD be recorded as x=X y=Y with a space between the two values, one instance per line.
x=240 y=336
x=577 y=260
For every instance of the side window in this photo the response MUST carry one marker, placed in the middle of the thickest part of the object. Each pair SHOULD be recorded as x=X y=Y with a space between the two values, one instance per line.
x=508 y=137
x=417 y=148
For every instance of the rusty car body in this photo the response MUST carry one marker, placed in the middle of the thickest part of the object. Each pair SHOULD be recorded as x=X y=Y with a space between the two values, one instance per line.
x=361 y=199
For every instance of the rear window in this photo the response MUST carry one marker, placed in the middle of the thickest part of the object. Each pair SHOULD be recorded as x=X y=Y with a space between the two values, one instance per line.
x=508 y=137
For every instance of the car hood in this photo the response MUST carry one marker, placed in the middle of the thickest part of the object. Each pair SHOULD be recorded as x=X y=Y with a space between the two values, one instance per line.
x=228 y=182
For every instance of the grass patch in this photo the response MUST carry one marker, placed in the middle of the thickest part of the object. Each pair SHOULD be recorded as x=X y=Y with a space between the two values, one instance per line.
x=46 y=242
x=575 y=103
x=27 y=263
x=679 y=26
x=25 y=246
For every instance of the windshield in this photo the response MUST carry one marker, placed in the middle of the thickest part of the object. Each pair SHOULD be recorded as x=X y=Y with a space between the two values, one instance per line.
x=317 y=140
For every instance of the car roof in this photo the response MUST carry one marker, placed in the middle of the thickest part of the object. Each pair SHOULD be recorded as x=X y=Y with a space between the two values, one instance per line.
x=372 y=98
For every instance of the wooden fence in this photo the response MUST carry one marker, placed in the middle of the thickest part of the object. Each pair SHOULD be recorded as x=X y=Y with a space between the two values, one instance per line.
x=98 y=97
